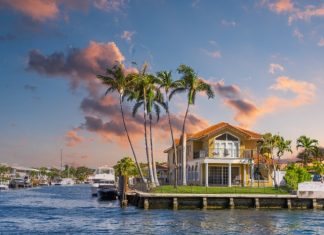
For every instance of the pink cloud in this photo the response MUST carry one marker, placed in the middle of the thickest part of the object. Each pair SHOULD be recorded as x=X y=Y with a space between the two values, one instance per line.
x=321 y=42
x=73 y=139
x=42 y=10
x=247 y=111
x=78 y=66
x=280 y=6
x=39 y=10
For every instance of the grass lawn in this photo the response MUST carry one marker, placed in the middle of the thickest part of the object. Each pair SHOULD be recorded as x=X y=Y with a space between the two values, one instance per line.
x=218 y=190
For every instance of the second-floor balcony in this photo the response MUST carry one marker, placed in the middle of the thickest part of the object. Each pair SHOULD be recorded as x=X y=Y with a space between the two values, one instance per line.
x=225 y=153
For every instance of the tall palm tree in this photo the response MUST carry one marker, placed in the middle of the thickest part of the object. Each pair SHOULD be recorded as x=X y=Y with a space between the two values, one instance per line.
x=309 y=146
x=143 y=83
x=192 y=84
x=167 y=84
x=116 y=80
x=154 y=102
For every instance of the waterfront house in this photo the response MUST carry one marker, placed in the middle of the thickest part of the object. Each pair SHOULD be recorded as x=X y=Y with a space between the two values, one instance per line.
x=220 y=155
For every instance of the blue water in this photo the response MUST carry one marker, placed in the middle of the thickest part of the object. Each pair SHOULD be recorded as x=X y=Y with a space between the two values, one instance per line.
x=71 y=210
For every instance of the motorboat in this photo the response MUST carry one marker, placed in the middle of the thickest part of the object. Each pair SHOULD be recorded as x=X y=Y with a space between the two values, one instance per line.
x=65 y=181
x=104 y=183
x=43 y=182
x=107 y=190
x=3 y=187
x=19 y=183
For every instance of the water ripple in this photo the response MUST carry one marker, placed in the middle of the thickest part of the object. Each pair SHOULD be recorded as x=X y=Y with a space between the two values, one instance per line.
x=71 y=210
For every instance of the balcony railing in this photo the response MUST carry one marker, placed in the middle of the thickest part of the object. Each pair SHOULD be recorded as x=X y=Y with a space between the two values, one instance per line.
x=225 y=153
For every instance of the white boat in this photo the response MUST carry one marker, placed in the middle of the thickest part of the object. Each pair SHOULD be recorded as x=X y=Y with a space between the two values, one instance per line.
x=43 y=182
x=3 y=187
x=65 y=181
x=104 y=183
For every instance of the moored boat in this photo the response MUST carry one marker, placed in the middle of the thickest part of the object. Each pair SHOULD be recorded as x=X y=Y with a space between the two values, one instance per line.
x=3 y=187
x=103 y=183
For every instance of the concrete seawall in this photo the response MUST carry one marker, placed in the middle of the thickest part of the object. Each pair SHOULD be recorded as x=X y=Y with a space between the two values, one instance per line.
x=221 y=201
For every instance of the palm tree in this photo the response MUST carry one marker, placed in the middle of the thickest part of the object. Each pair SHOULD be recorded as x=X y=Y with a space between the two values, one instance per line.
x=192 y=84
x=143 y=82
x=117 y=81
x=154 y=101
x=125 y=167
x=166 y=83
x=271 y=143
x=309 y=147
x=282 y=146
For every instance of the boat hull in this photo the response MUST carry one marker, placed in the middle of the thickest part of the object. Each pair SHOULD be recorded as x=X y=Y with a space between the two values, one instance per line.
x=105 y=194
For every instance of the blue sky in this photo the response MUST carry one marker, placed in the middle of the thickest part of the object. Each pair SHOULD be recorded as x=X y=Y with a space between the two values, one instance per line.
x=268 y=53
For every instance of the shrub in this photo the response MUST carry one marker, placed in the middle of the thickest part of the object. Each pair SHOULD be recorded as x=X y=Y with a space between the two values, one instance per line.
x=296 y=174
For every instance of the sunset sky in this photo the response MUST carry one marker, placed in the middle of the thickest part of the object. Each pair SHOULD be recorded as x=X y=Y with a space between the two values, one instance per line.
x=265 y=60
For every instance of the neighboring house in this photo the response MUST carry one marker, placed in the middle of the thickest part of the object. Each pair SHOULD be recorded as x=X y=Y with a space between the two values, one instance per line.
x=19 y=171
x=217 y=154
x=162 y=171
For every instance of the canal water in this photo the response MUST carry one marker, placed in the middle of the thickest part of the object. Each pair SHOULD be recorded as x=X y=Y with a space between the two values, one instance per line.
x=72 y=210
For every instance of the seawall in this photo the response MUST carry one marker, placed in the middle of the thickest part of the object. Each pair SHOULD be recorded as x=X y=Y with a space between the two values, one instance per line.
x=221 y=201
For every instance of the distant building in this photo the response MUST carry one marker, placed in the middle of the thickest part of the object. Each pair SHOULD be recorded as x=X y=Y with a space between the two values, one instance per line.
x=220 y=155
x=20 y=171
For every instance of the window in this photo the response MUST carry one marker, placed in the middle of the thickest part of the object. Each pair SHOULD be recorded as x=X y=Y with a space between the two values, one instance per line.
x=226 y=145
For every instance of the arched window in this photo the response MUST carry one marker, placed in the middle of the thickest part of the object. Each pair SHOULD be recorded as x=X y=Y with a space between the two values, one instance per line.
x=227 y=146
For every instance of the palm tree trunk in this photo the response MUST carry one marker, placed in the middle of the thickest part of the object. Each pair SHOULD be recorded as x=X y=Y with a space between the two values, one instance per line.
x=184 y=167
x=173 y=145
x=152 y=155
x=274 y=172
x=129 y=140
x=150 y=170
x=184 y=120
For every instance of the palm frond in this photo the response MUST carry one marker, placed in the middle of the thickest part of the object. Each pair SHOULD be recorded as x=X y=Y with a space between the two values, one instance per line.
x=176 y=91
x=136 y=107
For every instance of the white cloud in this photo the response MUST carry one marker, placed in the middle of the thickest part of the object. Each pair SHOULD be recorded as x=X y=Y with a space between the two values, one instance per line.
x=298 y=34
x=214 y=54
x=228 y=23
x=127 y=35
x=275 y=67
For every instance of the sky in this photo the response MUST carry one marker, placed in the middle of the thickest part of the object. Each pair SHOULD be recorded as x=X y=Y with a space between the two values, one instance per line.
x=263 y=58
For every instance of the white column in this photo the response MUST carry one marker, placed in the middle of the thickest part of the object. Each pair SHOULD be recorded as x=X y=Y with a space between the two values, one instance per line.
x=229 y=175
x=206 y=174
x=252 y=174
x=201 y=174
x=244 y=175
x=184 y=159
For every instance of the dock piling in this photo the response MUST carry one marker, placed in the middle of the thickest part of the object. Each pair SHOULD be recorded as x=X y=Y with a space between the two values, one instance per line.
x=175 y=203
